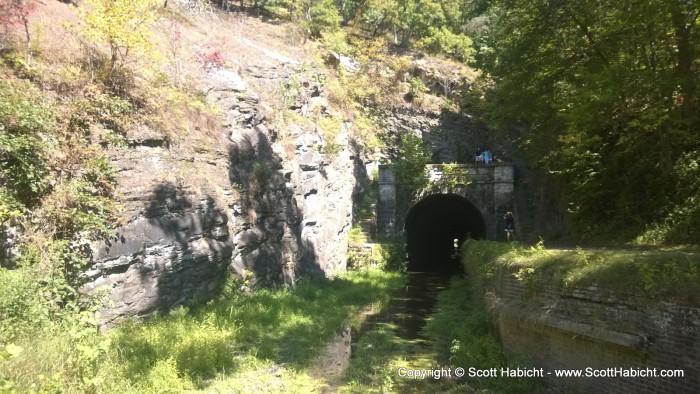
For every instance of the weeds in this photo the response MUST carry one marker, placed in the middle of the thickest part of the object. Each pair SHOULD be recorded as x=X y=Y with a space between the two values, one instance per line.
x=385 y=256
x=273 y=335
x=671 y=274
x=376 y=357
x=471 y=341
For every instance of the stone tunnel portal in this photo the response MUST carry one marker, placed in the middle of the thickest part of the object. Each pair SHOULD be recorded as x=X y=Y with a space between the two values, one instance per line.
x=433 y=224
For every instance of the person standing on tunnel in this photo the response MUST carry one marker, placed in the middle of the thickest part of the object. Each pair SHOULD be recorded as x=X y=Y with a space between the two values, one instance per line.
x=510 y=226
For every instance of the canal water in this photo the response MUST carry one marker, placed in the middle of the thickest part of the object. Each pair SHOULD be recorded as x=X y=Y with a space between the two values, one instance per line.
x=409 y=308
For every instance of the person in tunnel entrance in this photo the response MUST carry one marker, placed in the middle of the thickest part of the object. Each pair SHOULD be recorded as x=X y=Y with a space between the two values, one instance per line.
x=510 y=226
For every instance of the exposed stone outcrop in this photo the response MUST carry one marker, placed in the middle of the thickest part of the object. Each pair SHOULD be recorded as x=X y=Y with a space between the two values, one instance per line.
x=9 y=234
x=451 y=137
x=259 y=198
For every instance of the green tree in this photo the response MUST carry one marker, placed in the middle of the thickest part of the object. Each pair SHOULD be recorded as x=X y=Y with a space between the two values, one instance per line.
x=413 y=155
x=123 y=24
x=437 y=26
x=319 y=16
x=604 y=94
x=442 y=40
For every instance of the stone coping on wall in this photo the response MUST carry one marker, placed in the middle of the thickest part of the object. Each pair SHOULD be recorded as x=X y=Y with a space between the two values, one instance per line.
x=591 y=327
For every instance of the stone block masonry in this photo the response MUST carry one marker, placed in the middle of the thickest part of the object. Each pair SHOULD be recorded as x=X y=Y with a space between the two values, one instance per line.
x=490 y=188
x=599 y=332
x=386 y=216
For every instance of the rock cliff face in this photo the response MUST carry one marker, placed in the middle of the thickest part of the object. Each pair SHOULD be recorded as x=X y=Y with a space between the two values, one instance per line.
x=266 y=194
x=254 y=197
x=9 y=252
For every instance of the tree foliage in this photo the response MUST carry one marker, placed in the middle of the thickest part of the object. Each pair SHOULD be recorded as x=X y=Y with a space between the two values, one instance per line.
x=439 y=26
x=411 y=174
x=123 y=24
x=442 y=40
x=607 y=94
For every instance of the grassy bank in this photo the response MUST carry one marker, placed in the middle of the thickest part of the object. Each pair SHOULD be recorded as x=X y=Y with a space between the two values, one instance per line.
x=265 y=341
x=654 y=273
x=463 y=336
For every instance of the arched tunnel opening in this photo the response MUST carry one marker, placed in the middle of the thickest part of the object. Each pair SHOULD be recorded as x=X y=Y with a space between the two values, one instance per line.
x=435 y=227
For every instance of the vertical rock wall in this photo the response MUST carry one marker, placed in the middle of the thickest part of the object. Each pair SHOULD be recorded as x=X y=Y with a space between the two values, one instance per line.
x=254 y=198
x=451 y=137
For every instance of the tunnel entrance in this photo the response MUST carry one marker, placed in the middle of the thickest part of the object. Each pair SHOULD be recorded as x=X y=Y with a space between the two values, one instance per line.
x=437 y=224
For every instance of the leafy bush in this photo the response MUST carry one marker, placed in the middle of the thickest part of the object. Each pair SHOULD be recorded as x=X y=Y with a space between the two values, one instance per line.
x=98 y=107
x=336 y=41
x=10 y=208
x=23 y=303
x=22 y=110
x=417 y=89
x=452 y=177
x=23 y=170
x=331 y=127
x=25 y=122
x=682 y=224
x=83 y=205
x=410 y=164
x=442 y=41
x=322 y=17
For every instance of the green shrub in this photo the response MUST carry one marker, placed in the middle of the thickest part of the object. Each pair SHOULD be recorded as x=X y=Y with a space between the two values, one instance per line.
x=443 y=41
x=417 y=89
x=411 y=175
x=25 y=123
x=98 y=107
x=10 y=208
x=23 y=168
x=452 y=176
x=322 y=17
x=22 y=110
x=24 y=303
x=336 y=41
x=76 y=207
x=682 y=223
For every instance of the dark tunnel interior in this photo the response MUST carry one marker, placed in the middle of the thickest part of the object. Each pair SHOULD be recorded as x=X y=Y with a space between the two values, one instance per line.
x=431 y=227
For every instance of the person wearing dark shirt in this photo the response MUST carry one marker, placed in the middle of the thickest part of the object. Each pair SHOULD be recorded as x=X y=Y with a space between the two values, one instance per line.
x=510 y=226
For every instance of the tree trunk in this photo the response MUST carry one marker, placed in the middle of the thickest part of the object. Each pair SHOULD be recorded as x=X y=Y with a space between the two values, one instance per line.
x=682 y=26
x=25 y=21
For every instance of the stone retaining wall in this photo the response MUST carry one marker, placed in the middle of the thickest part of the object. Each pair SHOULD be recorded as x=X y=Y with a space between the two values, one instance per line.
x=589 y=327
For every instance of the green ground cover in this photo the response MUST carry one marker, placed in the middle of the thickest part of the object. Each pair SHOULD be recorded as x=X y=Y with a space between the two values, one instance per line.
x=671 y=274
x=458 y=333
x=265 y=341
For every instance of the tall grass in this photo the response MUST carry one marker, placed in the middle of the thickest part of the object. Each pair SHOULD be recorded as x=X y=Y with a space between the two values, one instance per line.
x=268 y=339
x=463 y=336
